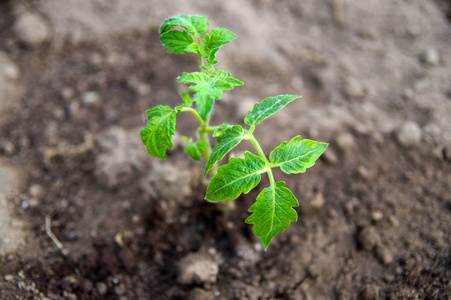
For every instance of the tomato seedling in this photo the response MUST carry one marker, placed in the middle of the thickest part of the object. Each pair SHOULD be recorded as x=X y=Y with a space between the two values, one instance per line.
x=273 y=210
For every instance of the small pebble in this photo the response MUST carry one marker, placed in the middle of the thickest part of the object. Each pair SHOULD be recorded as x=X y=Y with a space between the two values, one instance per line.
x=377 y=215
x=345 y=141
x=32 y=29
x=409 y=134
x=102 y=288
x=384 y=255
x=318 y=201
x=354 y=89
x=198 y=268
x=431 y=57
x=7 y=147
x=91 y=98
x=36 y=191
x=120 y=289
x=67 y=93
x=330 y=156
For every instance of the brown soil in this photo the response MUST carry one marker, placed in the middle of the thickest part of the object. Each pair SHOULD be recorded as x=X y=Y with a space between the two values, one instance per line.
x=374 y=215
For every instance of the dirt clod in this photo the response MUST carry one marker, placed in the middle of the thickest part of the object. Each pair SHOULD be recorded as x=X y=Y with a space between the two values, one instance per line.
x=409 y=134
x=32 y=29
x=197 y=268
x=368 y=238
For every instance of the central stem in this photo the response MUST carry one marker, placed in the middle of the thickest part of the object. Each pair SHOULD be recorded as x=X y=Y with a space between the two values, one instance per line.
x=260 y=152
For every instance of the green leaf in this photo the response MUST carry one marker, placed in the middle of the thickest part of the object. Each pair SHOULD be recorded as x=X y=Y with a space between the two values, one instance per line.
x=187 y=99
x=297 y=155
x=208 y=88
x=195 y=25
x=226 y=142
x=272 y=212
x=267 y=107
x=211 y=56
x=178 y=42
x=221 y=129
x=218 y=37
x=238 y=176
x=195 y=149
x=159 y=130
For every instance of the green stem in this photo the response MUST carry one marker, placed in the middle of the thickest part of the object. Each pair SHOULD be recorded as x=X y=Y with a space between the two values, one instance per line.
x=257 y=146
x=201 y=57
x=195 y=113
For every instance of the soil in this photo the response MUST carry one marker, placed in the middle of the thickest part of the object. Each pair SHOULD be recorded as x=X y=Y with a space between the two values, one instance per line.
x=375 y=210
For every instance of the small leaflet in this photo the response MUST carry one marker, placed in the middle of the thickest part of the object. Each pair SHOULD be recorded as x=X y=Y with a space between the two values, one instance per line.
x=221 y=129
x=297 y=155
x=208 y=88
x=230 y=137
x=178 y=42
x=272 y=212
x=267 y=107
x=195 y=149
x=238 y=176
x=195 y=25
x=159 y=130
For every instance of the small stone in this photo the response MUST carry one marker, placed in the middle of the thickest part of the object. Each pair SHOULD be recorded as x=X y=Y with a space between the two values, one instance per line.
x=330 y=156
x=197 y=268
x=34 y=202
x=409 y=134
x=364 y=172
x=354 y=89
x=7 y=147
x=120 y=289
x=9 y=278
x=70 y=296
x=102 y=288
x=91 y=98
x=67 y=93
x=345 y=141
x=69 y=283
x=384 y=255
x=143 y=89
x=377 y=215
x=11 y=72
x=393 y=221
x=431 y=57
x=318 y=201
x=368 y=238
x=32 y=29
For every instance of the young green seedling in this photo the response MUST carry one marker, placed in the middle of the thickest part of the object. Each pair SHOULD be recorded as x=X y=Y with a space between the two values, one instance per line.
x=273 y=210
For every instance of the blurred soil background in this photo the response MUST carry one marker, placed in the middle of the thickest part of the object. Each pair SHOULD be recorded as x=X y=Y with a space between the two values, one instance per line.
x=375 y=211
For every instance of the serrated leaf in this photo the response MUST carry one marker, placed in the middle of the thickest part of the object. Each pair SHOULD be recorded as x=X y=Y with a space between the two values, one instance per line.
x=178 y=42
x=272 y=212
x=221 y=129
x=238 y=176
x=195 y=25
x=187 y=99
x=195 y=149
x=159 y=130
x=218 y=37
x=208 y=88
x=297 y=155
x=226 y=142
x=267 y=107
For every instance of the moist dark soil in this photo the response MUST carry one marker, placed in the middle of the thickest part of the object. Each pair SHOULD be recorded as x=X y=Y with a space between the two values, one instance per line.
x=374 y=216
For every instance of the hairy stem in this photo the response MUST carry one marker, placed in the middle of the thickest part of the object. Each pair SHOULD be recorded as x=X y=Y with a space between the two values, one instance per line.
x=195 y=113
